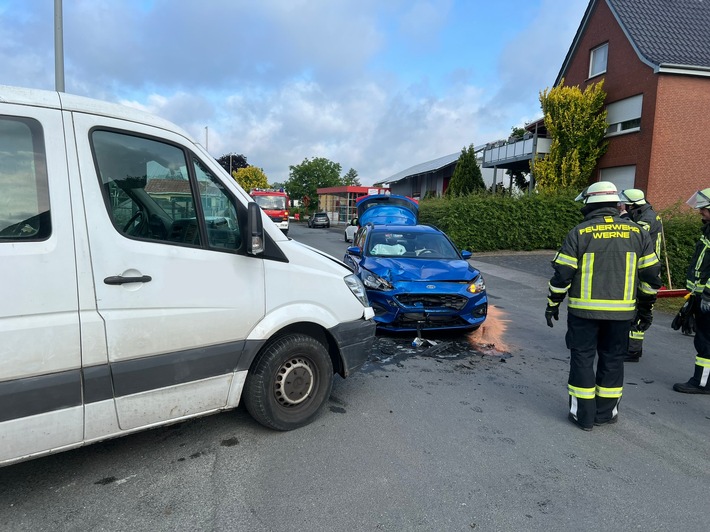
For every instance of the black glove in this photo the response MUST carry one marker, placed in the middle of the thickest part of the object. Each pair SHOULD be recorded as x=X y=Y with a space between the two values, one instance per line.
x=704 y=303
x=552 y=311
x=644 y=317
x=685 y=319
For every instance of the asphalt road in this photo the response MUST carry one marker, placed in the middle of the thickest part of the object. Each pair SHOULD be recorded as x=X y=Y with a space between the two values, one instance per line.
x=470 y=434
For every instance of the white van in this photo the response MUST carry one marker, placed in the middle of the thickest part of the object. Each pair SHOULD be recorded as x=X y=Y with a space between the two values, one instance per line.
x=142 y=286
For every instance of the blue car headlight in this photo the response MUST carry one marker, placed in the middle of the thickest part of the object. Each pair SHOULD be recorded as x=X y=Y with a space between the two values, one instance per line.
x=477 y=286
x=375 y=281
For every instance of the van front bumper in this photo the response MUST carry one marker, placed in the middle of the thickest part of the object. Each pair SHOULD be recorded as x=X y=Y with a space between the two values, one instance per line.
x=355 y=340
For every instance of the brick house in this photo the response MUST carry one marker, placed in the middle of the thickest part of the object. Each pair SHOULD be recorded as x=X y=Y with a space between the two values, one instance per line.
x=654 y=57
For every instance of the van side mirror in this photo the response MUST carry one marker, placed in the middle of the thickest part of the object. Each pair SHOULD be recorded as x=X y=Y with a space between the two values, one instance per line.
x=255 y=230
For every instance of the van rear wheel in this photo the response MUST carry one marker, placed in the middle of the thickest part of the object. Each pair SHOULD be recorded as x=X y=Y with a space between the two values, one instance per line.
x=289 y=383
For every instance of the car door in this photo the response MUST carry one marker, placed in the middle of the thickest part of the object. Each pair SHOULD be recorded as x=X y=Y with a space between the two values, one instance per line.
x=353 y=260
x=40 y=356
x=174 y=286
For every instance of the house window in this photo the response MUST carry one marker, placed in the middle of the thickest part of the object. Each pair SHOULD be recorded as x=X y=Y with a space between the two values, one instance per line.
x=622 y=176
x=597 y=60
x=624 y=116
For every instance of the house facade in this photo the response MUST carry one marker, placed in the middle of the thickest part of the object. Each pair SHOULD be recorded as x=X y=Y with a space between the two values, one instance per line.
x=654 y=58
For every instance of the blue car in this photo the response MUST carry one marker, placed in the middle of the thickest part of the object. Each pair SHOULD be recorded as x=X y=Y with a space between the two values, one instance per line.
x=416 y=279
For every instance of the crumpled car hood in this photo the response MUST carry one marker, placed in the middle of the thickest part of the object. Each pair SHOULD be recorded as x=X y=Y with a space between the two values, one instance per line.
x=395 y=270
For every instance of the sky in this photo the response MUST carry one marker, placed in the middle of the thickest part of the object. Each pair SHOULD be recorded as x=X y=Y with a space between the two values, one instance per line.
x=374 y=85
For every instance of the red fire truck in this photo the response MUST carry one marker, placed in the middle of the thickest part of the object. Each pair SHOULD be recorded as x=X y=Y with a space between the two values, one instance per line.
x=275 y=203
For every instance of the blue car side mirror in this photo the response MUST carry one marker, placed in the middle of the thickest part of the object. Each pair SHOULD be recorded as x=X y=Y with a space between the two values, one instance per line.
x=354 y=250
x=466 y=254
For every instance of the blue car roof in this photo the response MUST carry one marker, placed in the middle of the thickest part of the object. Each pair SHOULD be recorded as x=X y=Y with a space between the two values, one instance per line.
x=381 y=209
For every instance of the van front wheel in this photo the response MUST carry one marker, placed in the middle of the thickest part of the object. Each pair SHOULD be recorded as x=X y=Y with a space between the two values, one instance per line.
x=289 y=383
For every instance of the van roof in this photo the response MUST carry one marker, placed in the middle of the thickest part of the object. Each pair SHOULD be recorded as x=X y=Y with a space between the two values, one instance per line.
x=81 y=104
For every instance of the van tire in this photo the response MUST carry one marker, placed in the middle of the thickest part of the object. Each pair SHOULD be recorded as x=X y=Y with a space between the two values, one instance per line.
x=296 y=401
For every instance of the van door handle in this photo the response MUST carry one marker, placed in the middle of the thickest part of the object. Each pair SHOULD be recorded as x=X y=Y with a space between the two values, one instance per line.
x=119 y=279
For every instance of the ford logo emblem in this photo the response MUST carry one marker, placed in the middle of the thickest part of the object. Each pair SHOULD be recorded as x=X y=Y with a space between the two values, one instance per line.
x=431 y=286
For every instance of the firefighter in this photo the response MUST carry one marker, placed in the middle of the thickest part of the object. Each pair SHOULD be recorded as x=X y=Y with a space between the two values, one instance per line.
x=641 y=212
x=612 y=274
x=698 y=285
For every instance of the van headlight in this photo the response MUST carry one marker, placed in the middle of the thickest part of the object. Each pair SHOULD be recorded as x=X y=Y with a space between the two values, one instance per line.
x=477 y=286
x=357 y=288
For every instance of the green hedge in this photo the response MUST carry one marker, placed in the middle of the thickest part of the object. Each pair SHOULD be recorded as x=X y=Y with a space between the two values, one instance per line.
x=493 y=222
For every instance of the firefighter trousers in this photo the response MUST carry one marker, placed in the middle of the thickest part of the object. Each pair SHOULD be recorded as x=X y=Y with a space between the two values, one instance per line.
x=701 y=375
x=594 y=395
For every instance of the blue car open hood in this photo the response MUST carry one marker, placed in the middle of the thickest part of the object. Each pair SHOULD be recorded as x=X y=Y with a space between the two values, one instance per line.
x=386 y=209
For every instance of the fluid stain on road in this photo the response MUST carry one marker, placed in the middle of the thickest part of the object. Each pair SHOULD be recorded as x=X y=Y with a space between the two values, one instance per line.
x=486 y=341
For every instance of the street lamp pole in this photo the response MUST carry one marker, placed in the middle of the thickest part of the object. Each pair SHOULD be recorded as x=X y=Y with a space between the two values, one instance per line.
x=58 y=47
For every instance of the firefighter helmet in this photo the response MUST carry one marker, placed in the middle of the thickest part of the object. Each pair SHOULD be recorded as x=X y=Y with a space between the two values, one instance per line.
x=599 y=192
x=632 y=196
x=700 y=200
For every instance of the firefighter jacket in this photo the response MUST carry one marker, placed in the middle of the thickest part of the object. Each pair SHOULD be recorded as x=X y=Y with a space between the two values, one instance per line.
x=699 y=267
x=647 y=218
x=605 y=264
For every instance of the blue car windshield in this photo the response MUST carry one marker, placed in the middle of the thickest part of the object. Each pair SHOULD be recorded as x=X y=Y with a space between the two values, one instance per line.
x=411 y=245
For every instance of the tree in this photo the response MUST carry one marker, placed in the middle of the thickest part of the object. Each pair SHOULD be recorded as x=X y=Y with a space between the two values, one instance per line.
x=576 y=122
x=306 y=178
x=251 y=177
x=467 y=176
x=232 y=162
x=351 y=179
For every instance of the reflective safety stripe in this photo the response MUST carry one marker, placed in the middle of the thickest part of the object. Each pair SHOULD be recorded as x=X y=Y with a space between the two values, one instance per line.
x=610 y=393
x=558 y=290
x=566 y=260
x=602 y=304
x=629 y=275
x=702 y=362
x=586 y=276
x=691 y=285
x=647 y=288
x=582 y=393
x=553 y=303
x=636 y=335
x=648 y=260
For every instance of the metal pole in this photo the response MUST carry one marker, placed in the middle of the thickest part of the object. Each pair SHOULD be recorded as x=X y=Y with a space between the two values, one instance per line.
x=207 y=139
x=58 y=47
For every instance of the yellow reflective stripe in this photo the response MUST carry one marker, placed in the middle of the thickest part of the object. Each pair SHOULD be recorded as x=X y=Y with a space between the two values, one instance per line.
x=648 y=260
x=566 y=260
x=556 y=290
x=581 y=393
x=702 y=362
x=636 y=335
x=701 y=258
x=629 y=275
x=611 y=393
x=602 y=304
x=647 y=288
x=586 y=275
x=552 y=303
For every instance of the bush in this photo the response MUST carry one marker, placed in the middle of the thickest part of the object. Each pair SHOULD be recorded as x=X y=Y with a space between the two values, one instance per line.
x=682 y=229
x=492 y=222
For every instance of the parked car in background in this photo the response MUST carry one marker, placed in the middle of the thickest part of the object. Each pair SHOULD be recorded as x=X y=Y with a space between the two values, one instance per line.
x=319 y=219
x=415 y=277
x=351 y=229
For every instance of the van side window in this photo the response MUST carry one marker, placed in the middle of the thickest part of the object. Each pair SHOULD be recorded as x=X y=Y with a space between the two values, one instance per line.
x=219 y=209
x=150 y=195
x=24 y=190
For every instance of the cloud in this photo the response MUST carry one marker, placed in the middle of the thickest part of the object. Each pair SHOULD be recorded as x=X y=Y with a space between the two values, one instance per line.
x=375 y=86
